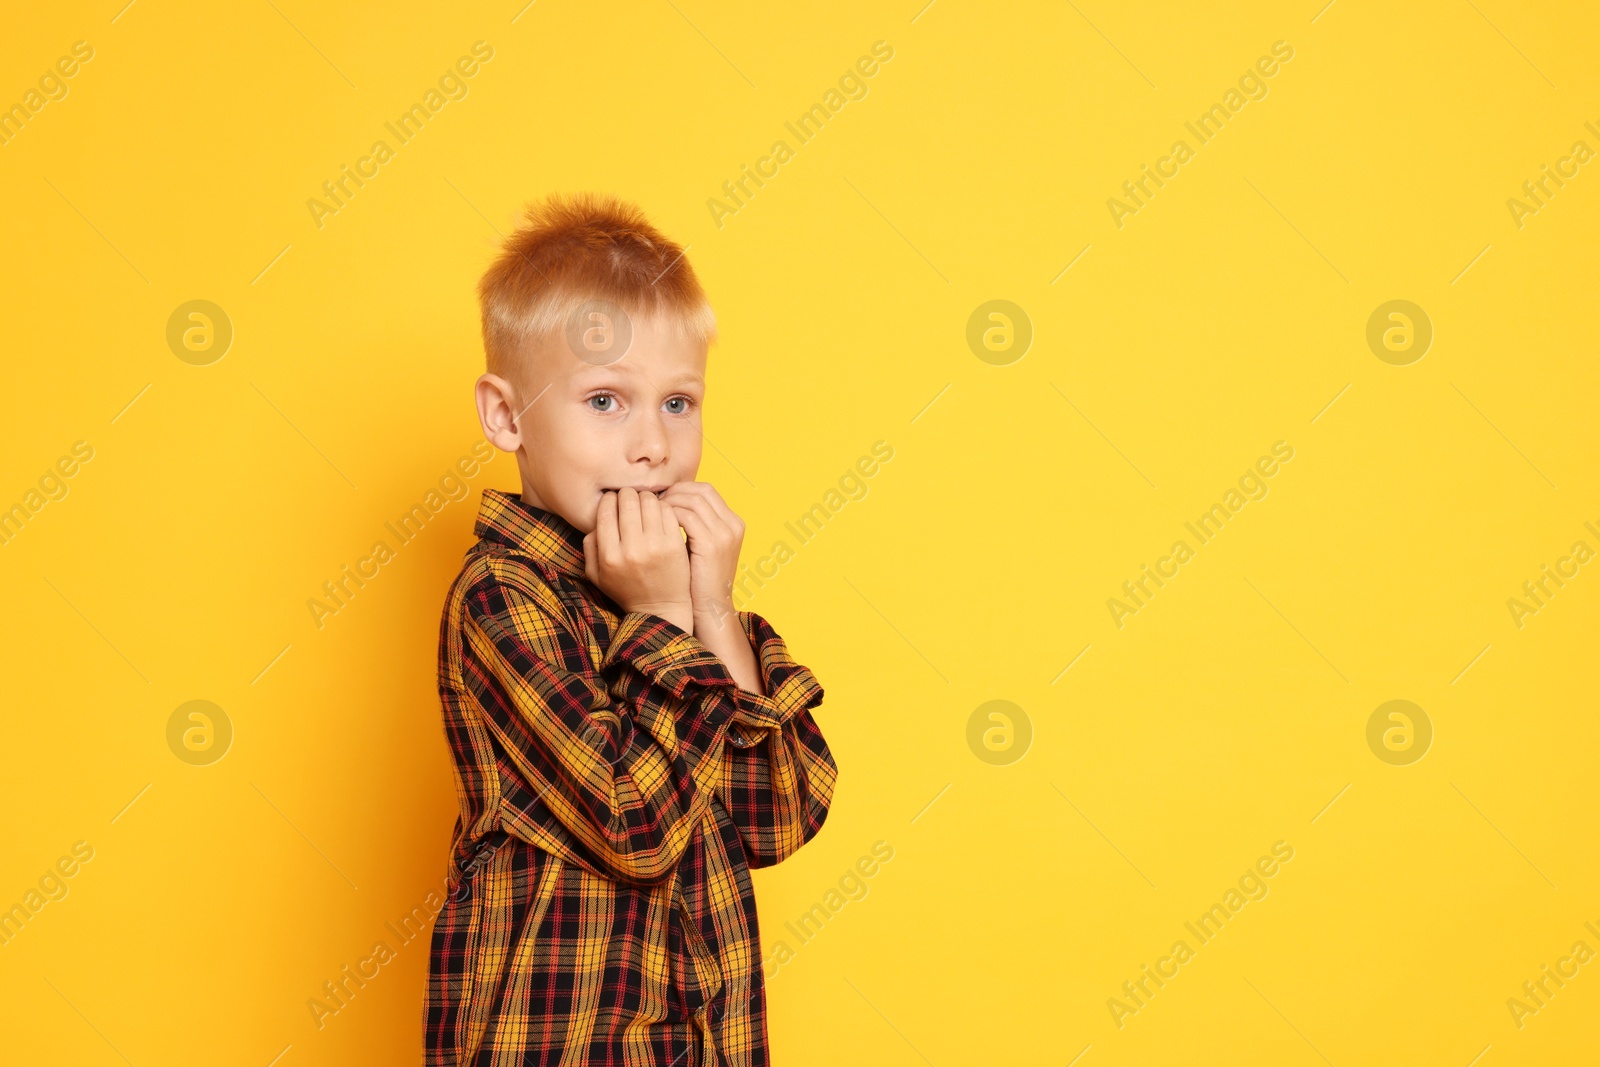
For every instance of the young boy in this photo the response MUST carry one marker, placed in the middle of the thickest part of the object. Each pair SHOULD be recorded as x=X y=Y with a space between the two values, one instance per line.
x=626 y=744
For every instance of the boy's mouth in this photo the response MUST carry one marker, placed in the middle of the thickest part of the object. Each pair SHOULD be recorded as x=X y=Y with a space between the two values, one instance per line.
x=640 y=488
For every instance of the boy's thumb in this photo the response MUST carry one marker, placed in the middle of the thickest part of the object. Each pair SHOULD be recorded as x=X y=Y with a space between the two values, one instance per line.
x=588 y=558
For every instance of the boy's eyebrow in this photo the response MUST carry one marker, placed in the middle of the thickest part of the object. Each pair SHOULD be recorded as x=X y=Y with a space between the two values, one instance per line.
x=602 y=372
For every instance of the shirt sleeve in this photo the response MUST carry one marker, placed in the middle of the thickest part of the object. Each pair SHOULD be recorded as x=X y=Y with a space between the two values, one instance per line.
x=778 y=774
x=620 y=757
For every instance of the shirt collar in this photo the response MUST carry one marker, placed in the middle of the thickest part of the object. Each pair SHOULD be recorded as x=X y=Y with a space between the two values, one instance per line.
x=507 y=519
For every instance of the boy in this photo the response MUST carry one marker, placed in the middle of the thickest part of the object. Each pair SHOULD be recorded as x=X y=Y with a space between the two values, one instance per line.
x=626 y=744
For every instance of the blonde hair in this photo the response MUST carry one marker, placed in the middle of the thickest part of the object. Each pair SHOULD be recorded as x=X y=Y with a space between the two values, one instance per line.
x=571 y=250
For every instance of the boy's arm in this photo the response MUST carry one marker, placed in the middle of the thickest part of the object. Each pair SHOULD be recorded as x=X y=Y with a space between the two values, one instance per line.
x=723 y=632
x=626 y=760
x=778 y=774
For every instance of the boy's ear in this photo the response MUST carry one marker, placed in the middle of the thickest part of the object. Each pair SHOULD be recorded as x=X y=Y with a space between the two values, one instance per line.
x=495 y=398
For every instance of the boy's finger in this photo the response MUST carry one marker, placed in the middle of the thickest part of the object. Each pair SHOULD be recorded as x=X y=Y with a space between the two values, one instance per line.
x=697 y=517
x=692 y=521
x=669 y=521
x=683 y=489
x=605 y=526
x=649 y=515
x=719 y=505
x=588 y=558
x=628 y=524
x=705 y=491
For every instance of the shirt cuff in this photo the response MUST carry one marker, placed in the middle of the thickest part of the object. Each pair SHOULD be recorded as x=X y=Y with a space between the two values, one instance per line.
x=666 y=653
x=790 y=687
x=674 y=659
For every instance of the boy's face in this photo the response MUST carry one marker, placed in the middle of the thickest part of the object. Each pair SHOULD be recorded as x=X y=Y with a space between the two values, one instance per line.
x=586 y=427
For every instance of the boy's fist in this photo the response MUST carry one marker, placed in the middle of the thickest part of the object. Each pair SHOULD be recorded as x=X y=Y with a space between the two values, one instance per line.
x=636 y=556
x=715 y=536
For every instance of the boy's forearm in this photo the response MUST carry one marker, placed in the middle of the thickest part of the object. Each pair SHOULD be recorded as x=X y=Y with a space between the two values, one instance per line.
x=719 y=629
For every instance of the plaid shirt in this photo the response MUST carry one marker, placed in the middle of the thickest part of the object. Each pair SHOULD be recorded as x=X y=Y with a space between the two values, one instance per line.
x=616 y=785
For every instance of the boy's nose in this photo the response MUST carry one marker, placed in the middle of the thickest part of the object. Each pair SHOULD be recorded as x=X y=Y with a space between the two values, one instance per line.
x=650 y=444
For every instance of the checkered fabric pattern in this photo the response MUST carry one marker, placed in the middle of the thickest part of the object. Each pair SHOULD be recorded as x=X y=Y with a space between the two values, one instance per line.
x=616 y=785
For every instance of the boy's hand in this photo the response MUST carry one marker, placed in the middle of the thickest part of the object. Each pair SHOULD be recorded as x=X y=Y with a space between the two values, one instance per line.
x=636 y=556
x=715 y=536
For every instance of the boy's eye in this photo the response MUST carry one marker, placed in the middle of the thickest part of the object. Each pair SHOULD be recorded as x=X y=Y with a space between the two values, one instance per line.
x=605 y=402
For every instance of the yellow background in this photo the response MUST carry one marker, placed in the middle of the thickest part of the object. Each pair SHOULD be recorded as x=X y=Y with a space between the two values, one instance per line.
x=1228 y=314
